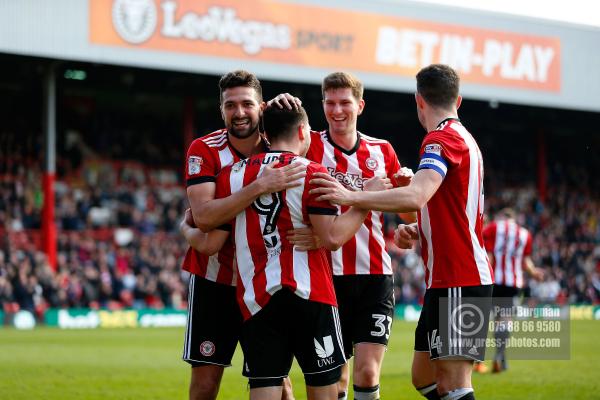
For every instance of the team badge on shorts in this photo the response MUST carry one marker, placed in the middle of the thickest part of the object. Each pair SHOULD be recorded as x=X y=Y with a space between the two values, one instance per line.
x=372 y=163
x=207 y=348
x=194 y=164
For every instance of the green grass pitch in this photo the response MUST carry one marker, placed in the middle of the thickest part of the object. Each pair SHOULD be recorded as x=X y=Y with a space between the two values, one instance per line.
x=145 y=364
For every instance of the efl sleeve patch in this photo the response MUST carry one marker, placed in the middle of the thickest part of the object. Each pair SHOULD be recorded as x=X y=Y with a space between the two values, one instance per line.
x=194 y=165
x=435 y=162
x=433 y=148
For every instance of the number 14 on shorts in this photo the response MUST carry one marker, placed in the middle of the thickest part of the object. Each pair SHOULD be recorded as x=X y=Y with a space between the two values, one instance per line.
x=382 y=327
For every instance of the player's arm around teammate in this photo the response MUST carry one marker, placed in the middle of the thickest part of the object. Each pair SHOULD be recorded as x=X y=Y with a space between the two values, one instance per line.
x=332 y=230
x=406 y=199
x=401 y=178
x=208 y=212
x=205 y=243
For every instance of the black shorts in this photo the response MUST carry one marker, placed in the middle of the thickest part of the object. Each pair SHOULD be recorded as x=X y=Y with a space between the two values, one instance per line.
x=366 y=305
x=506 y=291
x=213 y=325
x=454 y=322
x=504 y=298
x=290 y=326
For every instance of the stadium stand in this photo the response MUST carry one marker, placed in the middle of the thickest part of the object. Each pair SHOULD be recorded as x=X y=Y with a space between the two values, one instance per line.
x=118 y=244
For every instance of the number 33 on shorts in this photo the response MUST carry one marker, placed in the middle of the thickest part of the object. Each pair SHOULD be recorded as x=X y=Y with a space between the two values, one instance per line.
x=383 y=324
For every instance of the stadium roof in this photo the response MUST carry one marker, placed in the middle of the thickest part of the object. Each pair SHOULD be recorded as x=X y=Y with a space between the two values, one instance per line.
x=500 y=57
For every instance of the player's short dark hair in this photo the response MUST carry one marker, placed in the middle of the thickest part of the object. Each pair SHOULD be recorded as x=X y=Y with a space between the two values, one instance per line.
x=438 y=84
x=240 y=78
x=508 y=213
x=281 y=123
x=343 y=80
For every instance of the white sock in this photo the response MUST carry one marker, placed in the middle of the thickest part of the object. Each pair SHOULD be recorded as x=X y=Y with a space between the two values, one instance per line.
x=457 y=393
x=371 y=393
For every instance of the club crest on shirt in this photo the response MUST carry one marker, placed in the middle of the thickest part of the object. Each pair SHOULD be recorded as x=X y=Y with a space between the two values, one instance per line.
x=434 y=148
x=194 y=164
x=372 y=163
x=207 y=348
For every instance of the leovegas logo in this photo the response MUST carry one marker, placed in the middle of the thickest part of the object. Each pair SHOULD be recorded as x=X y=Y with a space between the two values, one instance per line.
x=290 y=33
x=222 y=24
x=134 y=20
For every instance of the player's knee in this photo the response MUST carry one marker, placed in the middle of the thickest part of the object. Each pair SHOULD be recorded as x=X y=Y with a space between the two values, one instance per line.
x=367 y=375
x=204 y=390
x=444 y=384
x=451 y=376
x=422 y=378
x=419 y=381
x=204 y=384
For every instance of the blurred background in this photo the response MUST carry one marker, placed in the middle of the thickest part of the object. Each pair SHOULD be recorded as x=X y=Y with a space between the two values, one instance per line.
x=99 y=100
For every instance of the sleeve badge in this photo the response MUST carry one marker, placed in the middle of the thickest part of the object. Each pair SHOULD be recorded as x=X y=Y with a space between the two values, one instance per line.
x=433 y=149
x=194 y=165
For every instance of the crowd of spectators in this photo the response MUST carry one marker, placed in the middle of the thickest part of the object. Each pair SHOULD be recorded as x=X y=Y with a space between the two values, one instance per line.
x=118 y=239
x=119 y=246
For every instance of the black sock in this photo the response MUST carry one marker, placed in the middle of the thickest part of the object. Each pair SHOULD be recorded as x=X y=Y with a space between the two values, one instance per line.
x=429 y=392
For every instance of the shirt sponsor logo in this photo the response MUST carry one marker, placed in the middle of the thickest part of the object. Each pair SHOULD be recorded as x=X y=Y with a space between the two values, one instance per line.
x=434 y=148
x=324 y=351
x=350 y=181
x=194 y=164
x=134 y=20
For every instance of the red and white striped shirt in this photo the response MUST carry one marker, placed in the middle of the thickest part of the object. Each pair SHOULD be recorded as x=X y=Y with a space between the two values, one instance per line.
x=510 y=243
x=366 y=252
x=206 y=157
x=267 y=261
x=451 y=223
